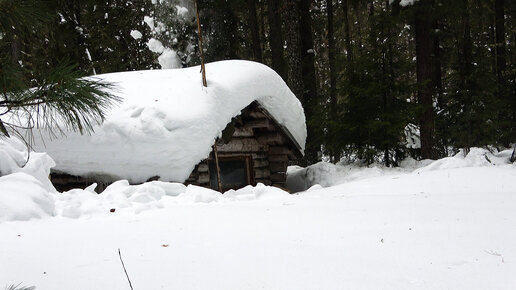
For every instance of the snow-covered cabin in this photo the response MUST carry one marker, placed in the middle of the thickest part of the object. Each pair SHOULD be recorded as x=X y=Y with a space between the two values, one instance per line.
x=168 y=125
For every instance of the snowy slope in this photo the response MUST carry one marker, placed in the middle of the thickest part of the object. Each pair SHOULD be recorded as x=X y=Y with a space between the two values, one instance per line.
x=168 y=121
x=446 y=224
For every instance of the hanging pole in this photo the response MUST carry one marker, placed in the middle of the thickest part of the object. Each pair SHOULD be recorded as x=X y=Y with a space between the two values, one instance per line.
x=217 y=167
x=203 y=69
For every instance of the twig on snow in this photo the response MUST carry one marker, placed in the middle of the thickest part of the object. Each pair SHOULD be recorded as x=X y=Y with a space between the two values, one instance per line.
x=120 y=255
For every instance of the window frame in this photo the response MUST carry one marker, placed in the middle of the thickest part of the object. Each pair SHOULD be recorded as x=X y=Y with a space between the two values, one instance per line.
x=248 y=169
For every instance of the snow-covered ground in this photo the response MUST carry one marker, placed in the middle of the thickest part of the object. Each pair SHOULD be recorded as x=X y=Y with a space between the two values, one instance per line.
x=446 y=224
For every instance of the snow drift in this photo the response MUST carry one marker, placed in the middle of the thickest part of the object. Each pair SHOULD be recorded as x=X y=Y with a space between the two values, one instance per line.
x=325 y=174
x=168 y=121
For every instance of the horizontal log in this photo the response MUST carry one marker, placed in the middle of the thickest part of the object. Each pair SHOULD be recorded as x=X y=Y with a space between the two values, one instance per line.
x=277 y=158
x=278 y=167
x=259 y=155
x=243 y=132
x=257 y=114
x=203 y=167
x=278 y=177
x=262 y=173
x=232 y=147
x=260 y=163
x=272 y=139
x=204 y=178
x=277 y=150
x=258 y=123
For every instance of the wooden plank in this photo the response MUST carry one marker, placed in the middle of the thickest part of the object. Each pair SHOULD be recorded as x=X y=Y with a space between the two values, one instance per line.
x=278 y=158
x=277 y=150
x=260 y=163
x=272 y=139
x=243 y=132
x=241 y=148
x=203 y=167
x=258 y=123
x=204 y=178
x=261 y=173
x=258 y=155
x=278 y=166
x=278 y=177
x=257 y=115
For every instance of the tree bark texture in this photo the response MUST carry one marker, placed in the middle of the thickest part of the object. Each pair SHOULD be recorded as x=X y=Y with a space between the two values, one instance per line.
x=255 y=31
x=309 y=81
x=437 y=75
x=500 y=38
x=424 y=79
x=331 y=59
x=347 y=34
x=293 y=48
x=276 y=38
x=333 y=74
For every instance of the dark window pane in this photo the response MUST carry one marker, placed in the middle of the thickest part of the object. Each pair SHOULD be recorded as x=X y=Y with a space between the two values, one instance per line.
x=232 y=173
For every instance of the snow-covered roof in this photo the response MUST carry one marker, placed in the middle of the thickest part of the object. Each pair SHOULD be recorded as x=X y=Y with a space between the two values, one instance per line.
x=167 y=121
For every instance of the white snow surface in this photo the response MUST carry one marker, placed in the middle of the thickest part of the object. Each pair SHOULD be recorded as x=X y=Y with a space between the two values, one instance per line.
x=181 y=11
x=325 y=174
x=155 y=45
x=136 y=34
x=14 y=158
x=169 y=59
x=404 y=2
x=407 y=2
x=168 y=121
x=445 y=224
x=149 y=21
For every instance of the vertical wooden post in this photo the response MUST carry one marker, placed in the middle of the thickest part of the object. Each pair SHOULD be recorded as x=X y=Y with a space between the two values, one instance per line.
x=219 y=182
x=203 y=69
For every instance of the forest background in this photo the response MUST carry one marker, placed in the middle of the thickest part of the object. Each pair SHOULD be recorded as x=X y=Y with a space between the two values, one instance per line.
x=378 y=80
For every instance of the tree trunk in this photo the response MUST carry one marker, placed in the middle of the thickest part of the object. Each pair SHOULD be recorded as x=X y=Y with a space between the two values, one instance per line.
x=467 y=51
x=437 y=82
x=293 y=48
x=347 y=34
x=309 y=81
x=333 y=74
x=276 y=39
x=500 y=39
x=424 y=79
x=255 y=32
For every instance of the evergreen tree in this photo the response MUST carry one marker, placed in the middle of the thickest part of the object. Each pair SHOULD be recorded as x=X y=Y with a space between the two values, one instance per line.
x=53 y=98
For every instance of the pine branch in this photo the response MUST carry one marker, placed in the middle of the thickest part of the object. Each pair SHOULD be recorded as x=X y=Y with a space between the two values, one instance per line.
x=61 y=100
x=19 y=287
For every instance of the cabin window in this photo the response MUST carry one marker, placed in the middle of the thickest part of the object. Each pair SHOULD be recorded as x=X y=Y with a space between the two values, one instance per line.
x=234 y=172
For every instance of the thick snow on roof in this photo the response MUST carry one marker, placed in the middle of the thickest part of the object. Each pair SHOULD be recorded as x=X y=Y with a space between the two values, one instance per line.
x=168 y=121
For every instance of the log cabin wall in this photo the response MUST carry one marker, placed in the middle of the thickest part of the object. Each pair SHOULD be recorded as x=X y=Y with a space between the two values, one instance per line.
x=255 y=134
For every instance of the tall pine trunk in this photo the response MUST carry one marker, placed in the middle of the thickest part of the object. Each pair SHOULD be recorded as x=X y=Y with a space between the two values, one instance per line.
x=293 y=48
x=255 y=31
x=333 y=74
x=347 y=34
x=467 y=52
x=275 y=38
x=500 y=39
x=309 y=81
x=423 y=28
